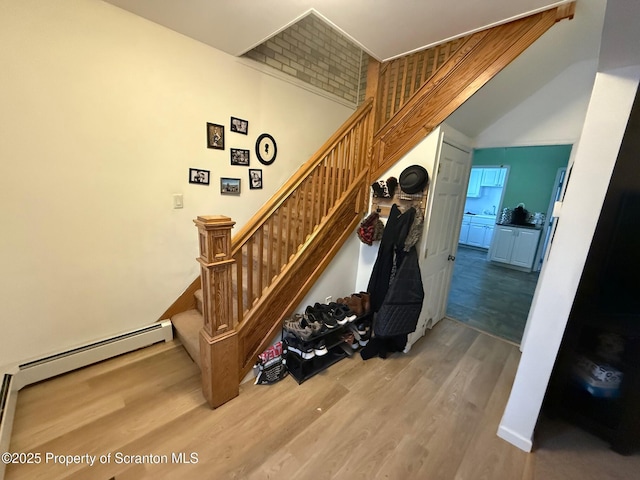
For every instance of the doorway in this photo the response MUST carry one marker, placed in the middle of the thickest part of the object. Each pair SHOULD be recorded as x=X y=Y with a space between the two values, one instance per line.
x=488 y=296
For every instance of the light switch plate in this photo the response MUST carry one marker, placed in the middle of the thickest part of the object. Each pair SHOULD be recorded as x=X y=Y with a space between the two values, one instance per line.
x=177 y=200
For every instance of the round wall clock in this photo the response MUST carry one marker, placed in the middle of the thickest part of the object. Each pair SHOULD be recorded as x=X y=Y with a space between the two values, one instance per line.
x=266 y=149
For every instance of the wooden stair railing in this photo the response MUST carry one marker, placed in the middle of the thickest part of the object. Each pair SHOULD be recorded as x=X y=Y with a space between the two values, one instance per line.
x=255 y=280
x=251 y=283
x=418 y=92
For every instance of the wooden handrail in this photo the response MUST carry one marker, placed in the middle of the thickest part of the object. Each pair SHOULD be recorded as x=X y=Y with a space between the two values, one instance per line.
x=298 y=177
x=264 y=248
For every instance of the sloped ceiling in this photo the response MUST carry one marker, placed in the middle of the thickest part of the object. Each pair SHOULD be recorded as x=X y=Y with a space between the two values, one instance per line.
x=389 y=28
x=383 y=28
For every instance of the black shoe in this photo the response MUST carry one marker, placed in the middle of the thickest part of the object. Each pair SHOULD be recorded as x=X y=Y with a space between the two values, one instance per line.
x=320 y=348
x=323 y=312
x=338 y=313
x=302 y=349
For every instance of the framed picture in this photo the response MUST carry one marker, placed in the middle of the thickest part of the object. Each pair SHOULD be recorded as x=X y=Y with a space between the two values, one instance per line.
x=266 y=149
x=255 y=179
x=199 y=176
x=230 y=186
x=215 y=136
x=239 y=157
x=239 y=126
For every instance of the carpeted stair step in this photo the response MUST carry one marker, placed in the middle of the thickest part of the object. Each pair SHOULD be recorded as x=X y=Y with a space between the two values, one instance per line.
x=187 y=326
x=199 y=300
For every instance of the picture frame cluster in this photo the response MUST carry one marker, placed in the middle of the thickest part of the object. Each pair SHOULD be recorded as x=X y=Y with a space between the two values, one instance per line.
x=265 y=149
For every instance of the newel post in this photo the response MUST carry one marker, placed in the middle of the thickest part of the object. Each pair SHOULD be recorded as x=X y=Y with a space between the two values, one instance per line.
x=218 y=338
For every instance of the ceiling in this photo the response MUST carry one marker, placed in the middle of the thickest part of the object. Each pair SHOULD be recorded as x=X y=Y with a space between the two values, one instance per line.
x=237 y=26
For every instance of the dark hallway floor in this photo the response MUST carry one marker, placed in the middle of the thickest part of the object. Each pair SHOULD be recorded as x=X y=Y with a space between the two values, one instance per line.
x=488 y=297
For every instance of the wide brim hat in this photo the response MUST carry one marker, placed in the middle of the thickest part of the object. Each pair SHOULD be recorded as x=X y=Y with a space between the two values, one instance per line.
x=414 y=179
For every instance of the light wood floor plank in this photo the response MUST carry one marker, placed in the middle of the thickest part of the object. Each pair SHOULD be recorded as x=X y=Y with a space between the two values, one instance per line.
x=430 y=414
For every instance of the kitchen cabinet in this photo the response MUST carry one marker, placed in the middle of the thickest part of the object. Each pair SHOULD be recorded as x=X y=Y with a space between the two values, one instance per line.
x=464 y=229
x=514 y=246
x=473 y=190
x=493 y=177
x=476 y=230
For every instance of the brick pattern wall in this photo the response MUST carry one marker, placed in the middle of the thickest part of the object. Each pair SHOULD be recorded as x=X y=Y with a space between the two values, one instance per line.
x=317 y=54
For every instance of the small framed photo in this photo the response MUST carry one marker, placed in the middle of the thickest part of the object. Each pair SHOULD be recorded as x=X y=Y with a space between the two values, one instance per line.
x=255 y=179
x=239 y=157
x=230 y=186
x=215 y=136
x=199 y=176
x=239 y=126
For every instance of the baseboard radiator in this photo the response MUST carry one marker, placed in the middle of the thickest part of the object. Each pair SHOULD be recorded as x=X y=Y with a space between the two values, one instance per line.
x=19 y=376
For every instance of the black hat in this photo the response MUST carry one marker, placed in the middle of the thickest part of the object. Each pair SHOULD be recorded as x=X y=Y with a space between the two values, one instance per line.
x=414 y=179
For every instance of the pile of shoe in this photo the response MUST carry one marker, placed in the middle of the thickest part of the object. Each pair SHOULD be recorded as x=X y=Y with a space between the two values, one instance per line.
x=305 y=332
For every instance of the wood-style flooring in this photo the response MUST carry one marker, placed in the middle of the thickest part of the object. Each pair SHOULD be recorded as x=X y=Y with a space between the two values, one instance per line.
x=489 y=297
x=429 y=414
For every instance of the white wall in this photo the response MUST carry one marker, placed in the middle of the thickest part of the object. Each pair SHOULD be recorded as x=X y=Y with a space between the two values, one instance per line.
x=102 y=115
x=551 y=116
x=606 y=120
x=422 y=154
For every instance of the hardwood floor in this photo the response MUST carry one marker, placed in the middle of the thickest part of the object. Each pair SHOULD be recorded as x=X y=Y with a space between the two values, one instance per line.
x=489 y=297
x=429 y=414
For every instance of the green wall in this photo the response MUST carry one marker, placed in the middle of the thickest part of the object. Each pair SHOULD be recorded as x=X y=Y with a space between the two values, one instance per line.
x=532 y=172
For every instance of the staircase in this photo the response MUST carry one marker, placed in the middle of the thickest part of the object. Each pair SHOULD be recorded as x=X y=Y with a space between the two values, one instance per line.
x=248 y=285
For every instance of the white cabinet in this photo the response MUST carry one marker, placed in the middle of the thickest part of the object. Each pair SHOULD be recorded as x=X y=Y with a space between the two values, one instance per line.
x=514 y=246
x=464 y=229
x=473 y=190
x=493 y=177
x=488 y=236
x=476 y=231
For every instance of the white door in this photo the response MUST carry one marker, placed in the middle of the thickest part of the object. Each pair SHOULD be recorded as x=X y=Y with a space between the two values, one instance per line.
x=442 y=222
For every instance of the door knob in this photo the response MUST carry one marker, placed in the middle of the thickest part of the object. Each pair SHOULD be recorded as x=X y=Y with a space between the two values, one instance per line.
x=452 y=258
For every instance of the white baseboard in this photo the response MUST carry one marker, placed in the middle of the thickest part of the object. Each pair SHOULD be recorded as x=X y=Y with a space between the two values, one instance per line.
x=515 y=439
x=16 y=377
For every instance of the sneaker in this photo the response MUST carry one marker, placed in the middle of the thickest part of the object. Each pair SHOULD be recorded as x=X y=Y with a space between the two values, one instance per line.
x=364 y=333
x=302 y=349
x=364 y=339
x=362 y=328
x=338 y=313
x=322 y=312
x=299 y=326
x=350 y=316
x=320 y=347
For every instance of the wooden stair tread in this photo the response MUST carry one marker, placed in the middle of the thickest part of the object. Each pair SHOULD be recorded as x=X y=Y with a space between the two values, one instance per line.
x=187 y=326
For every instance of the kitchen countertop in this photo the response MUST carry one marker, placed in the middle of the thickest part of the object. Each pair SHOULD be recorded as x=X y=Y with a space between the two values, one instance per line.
x=528 y=225
x=476 y=215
